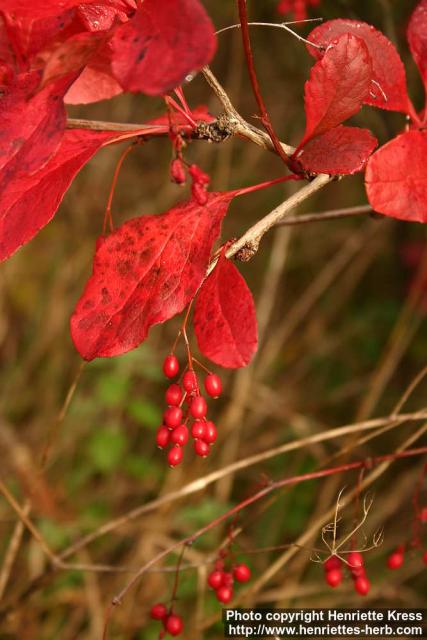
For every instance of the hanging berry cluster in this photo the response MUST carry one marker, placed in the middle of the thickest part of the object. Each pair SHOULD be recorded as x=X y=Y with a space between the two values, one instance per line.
x=172 y=623
x=297 y=7
x=333 y=567
x=185 y=404
x=221 y=580
x=199 y=179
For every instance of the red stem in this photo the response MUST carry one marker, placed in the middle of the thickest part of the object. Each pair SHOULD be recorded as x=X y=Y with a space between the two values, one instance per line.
x=264 y=185
x=265 y=119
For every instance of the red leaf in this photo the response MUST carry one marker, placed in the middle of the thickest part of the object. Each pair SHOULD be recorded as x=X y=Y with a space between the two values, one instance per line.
x=44 y=8
x=164 y=42
x=338 y=85
x=342 y=150
x=396 y=177
x=417 y=38
x=95 y=83
x=72 y=55
x=28 y=203
x=224 y=317
x=388 y=69
x=144 y=273
x=31 y=126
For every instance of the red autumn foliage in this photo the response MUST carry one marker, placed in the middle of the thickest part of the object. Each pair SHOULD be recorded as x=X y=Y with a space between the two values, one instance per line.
x=224 y=317
x=339 y=83
x=144 y=273
x=395 y=174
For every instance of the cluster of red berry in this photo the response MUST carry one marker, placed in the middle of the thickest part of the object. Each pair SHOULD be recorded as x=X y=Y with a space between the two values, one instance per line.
x=334 y=572
x=199 y=179
x=222 y=581
x=172 y=623
x=297 y=7
x=174 y=430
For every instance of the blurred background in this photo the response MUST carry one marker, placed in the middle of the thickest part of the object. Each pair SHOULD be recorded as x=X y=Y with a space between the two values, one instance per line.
x=342 y=313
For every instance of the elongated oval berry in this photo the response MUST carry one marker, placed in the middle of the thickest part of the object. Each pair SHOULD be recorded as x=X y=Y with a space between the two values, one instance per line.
x=395 y=560
x=189 y=381
x=198 y=407
x=332 y=563
x=213 y=385
x=211 y=433
x=362 y=585
x=173 y=395
x=242 y=573
x=177 y=171
x=162 y=437
x=224 y=594
x=215 y=579
x=198 y=430
x=170 y=366
x=180 y=435
x=172 y=417
x=158 y=611
x=201 y=448
x=333 y=577
x=174 y=624
x=355 y=560
x=175 y=456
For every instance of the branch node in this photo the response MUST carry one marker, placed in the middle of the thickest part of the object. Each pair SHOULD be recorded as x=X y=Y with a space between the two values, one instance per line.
x=218 y=131
x=248 y=251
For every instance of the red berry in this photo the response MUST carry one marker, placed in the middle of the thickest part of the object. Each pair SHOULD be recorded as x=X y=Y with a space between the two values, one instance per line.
x=242 y=573
x=425 y=557
x=355 y=560
x=172 y=417
x=332 y=563
x=198 y=407
x=333 y=577
x=213 y=385
x=201 y=448
x=210 y=435
x=227 y=578
x=174 y=625
x=362 y=585
x=170 y=366
x=215 y=579
x=423 y=514
x=162 y=437
x=198 y=175
x=173 y=395
x=175 y=456
x=180 y=435
x=395 y=560
x=158 y=611
x=189 y=381
x=177 y=171
x=224 y=594
x=199 y=193
x=198 y=430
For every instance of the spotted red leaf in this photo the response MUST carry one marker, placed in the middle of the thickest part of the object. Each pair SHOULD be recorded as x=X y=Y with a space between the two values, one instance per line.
x=339 y=83
x=29 y=202
x=396 y=177
x=224 y=317
x=144 y=273
x=417 y=38
x=388 y=70
x=164 y=42
x=342 y=150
